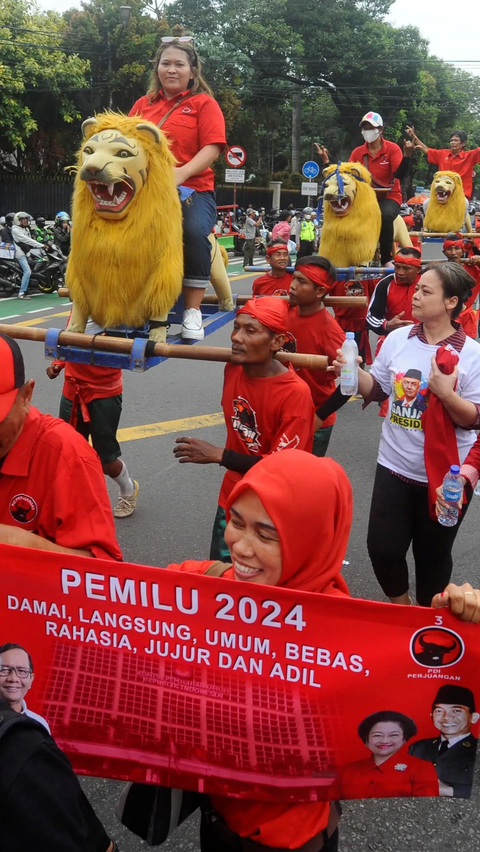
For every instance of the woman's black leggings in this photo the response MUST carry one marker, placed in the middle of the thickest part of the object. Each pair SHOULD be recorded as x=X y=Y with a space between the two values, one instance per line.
x=399 y=517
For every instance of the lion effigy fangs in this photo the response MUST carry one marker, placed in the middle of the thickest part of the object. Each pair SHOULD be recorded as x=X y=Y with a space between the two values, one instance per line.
x=126 y=260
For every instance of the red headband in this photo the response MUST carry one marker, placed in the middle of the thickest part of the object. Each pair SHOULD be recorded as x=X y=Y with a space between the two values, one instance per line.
x=271 y=249
x=319 y=276
x=452 y=243
x=408 y=260
x=269 y=310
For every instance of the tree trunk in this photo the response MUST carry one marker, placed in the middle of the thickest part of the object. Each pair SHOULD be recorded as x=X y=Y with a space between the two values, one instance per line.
x=296 y=128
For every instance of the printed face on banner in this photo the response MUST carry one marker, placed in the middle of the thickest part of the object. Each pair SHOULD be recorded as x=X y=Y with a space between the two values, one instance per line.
x=410 y=399
x=241 y=689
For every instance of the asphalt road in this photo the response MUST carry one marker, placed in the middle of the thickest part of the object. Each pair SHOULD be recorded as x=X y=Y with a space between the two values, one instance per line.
x=173 y=522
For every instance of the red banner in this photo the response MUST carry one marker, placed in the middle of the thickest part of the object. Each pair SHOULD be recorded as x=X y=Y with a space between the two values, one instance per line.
x=196 y=682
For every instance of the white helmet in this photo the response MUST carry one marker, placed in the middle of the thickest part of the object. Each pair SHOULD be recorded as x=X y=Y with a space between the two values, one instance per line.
x=308 y=210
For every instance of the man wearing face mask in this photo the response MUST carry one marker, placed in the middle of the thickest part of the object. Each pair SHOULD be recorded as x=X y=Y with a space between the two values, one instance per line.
x=382 y=158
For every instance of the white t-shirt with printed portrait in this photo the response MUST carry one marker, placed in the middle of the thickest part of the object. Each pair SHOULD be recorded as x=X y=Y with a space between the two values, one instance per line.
x=402 y=369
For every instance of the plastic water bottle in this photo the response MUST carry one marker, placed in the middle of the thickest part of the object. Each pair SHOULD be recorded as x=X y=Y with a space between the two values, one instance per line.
x=349 y=371
x=452 y=492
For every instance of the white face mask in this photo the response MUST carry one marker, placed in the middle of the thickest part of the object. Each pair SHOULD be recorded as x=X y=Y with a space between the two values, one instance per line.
x=371 y=135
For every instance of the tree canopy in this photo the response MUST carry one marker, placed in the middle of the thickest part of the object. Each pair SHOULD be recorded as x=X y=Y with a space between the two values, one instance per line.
x=286 y=75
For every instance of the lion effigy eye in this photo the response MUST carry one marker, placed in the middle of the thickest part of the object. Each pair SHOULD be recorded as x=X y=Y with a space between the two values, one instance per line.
x=124 y=154
x=88 y=150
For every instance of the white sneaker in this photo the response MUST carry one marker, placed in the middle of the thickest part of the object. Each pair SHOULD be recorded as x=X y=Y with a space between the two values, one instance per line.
x=192 y=326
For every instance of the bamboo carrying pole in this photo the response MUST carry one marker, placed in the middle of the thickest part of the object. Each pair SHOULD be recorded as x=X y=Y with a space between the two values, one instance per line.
x=465 y=235
x=165 y=350
x=213 y=300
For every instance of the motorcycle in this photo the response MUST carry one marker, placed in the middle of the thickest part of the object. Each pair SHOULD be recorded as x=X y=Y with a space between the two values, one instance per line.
x=47 y=265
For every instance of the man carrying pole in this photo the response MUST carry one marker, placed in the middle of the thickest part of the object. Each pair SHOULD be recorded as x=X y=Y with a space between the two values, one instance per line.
x=267 y=407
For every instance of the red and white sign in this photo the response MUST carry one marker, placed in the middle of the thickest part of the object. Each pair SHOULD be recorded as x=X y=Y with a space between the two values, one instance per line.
x=235 y=156
x=168 y=677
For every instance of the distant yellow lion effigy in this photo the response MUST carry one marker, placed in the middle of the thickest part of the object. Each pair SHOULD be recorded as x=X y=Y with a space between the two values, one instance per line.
x=447 y=209
x=352 y=218
x=126 y=261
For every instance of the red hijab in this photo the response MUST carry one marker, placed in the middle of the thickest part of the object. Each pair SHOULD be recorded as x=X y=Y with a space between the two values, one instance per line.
x=309 y=500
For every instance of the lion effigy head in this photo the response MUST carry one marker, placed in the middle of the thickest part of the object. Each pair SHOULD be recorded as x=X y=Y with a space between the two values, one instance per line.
x=126 y=259
x=114 y=166
x=446 y=206
x=352 y=216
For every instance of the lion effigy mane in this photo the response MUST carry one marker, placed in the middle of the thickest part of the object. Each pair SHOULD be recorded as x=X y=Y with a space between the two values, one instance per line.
x=449 y=215
x=352 y=219
x=126 y=269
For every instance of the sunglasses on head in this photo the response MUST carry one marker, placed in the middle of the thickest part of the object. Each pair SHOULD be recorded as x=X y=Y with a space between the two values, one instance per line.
x=168 y=39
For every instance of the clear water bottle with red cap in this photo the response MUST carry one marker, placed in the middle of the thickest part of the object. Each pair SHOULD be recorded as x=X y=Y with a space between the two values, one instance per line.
x=452 y=492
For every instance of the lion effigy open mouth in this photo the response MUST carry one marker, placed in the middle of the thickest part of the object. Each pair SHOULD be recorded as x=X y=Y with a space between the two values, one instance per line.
x=112 y=196
x=341 y=205
x=442 y=195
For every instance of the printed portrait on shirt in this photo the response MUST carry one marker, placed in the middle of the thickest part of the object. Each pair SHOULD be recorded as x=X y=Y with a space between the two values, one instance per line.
x=410 y=399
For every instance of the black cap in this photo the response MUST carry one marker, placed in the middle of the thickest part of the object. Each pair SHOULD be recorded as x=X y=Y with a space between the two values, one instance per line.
x=450 y=693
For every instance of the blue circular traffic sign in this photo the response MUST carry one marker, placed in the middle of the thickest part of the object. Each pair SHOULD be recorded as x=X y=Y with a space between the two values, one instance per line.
x=310 y=169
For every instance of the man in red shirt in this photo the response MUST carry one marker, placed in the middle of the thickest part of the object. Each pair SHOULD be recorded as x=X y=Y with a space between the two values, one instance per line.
x=312 y=329
x=382 y=159
x=453 y=159
x=267 y=407
x=277 y=281
x=52 y=489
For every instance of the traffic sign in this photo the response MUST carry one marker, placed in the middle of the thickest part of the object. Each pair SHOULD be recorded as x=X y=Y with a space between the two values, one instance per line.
x=234 y=175
x=309 y=189
x=235 y=156
x=310 y=169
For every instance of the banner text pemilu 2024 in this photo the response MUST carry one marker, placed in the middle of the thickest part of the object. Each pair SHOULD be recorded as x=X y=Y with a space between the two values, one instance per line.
x=173 y=678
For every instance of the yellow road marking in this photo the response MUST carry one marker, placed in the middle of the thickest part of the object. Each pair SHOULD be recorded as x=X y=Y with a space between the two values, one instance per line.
x=151 y=430
x=246 y=275
x=40 y=320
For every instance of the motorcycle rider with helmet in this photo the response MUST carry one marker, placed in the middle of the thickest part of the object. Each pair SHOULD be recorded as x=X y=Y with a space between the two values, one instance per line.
x=61 y=232
x=23 y=243
x=6 y=232
x=41 y=233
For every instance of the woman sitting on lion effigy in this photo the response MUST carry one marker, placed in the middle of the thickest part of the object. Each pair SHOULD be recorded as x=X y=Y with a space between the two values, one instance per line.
x=181 y=103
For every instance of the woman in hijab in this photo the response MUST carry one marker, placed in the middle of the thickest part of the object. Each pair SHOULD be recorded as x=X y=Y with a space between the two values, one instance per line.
x=288 y=522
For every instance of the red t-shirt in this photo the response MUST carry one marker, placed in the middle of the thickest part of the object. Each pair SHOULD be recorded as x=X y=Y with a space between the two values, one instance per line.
x=462 y=163
x=90 y=381
x=197 y=122
x=474 y=271
x=401 y=775
x=267 y=285
x=264 y=416
x=351 y=318
x=382 y=166
x=318 y=334
x=52 y=483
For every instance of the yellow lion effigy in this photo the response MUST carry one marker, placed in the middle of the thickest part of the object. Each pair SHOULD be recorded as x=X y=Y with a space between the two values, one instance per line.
x=126 y=261
x=447 y=209
x=352 y=219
